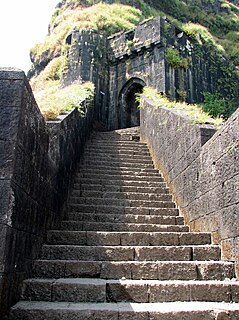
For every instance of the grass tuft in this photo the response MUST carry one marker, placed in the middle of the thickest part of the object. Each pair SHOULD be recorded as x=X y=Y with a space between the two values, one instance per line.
x=193 y=111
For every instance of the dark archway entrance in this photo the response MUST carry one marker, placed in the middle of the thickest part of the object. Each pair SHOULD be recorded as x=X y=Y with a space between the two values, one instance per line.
x=128 y=109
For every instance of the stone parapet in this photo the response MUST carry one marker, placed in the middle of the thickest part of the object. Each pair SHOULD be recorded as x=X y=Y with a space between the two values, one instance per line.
x=201 y=167
x=37 y=160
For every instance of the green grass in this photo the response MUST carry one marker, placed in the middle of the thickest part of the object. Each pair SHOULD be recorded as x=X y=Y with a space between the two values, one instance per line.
x=193 y=111
x=54 y=100
x=104 y=18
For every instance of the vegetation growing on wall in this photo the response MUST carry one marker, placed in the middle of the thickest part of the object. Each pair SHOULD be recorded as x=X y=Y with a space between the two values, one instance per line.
x=211 y=23
x=104 y=18
x=193 y=111
x=175 y=60
x=54 y=100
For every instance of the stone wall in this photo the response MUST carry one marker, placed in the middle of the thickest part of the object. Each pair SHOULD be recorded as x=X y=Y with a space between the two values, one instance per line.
x=134 y=57
x=36 y=165
x=201 y=168
x=122 y=64
x=87 y=61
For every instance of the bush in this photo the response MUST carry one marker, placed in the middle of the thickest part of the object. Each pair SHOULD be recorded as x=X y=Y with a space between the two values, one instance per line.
x=175 y=60
x=217 y=106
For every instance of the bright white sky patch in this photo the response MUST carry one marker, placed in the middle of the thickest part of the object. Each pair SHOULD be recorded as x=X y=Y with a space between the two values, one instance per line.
x=23 y=23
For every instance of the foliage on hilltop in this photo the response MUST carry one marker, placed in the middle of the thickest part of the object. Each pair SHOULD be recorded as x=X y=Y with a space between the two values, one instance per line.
x=209 y=22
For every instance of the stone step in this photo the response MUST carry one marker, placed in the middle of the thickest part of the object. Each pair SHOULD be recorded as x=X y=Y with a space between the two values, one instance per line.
x=114 y=172
x=74 y=202
x=120 y=195
x=119 y=183
x=131 y=253
x=116 y=144
x=120 y=227
x=117 y=157
x=106 y=169
x=192 y=310
x=108 y=137
x=113 y=151
x=88 y=208
x=110 y=163
x=118 y=188
x=122 y=290
x=126 y=218
x=95 y=238
x=148 y=270
x=110 y=148
x=124 y=176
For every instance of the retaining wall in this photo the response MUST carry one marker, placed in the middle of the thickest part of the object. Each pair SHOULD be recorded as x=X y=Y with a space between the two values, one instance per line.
x=37 y=160
x=201 y=167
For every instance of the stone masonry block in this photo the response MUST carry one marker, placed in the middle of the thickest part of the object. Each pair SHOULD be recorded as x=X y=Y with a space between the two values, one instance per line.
x=78 y=290
x=163 y=253
x=177 y=271
x=11 y=92
x=38 y=290
x=76 y=269
x=115 y=270
x=207 y=253
x=120 y=291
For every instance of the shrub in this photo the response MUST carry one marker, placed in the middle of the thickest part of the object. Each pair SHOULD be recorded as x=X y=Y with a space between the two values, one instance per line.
x=175 y=60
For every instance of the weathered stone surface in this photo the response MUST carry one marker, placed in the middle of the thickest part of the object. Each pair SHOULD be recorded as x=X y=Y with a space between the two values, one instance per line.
x=163 y=253
x=79 y=290
x=203 y=179
x=34 y=181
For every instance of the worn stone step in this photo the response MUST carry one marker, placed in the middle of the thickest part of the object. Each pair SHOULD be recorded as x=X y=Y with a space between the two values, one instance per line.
x=119 y=183
x=89 y=208
x=120 y=195
x=122 y=151
x=118 y=162
x=141 y=291
x=131 y=253
x=118 y=188
x=127 y=172
x=111 y=163
x=121 y=176
x=125 y=218
x=74 y=202
x=115 y=143
x=34 y=310
x=105 y=169
x=95 y=238
x=110 y=148
x=158 y=270
x=109 y=138
x=120 y=227
x=116 y=157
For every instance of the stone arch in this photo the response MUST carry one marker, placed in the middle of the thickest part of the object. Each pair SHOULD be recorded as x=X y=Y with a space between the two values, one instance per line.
x=128 y=111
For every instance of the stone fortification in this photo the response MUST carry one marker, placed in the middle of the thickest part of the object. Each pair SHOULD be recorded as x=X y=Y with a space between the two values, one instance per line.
x=37 y=160
x=203 y=175
x=156 y=53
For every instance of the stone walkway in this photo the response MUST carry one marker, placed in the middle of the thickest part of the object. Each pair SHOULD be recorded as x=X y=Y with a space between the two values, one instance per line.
x=123 y=251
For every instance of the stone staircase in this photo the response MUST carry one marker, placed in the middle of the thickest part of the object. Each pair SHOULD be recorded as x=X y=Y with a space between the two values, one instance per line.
x=123 y=251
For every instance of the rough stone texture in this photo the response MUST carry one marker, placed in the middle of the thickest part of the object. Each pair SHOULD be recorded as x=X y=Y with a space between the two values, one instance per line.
x=123 y=64
x=37 y=160
x=110 y=267
x=203 y=176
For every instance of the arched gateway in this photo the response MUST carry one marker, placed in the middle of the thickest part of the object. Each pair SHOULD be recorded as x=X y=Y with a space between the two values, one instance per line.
x=128 y=107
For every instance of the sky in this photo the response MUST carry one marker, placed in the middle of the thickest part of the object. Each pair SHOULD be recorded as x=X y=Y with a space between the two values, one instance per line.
x=23 y=23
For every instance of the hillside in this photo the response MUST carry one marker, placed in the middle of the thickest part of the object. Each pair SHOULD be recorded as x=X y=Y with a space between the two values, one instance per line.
x=219 y=17
x=213 y=22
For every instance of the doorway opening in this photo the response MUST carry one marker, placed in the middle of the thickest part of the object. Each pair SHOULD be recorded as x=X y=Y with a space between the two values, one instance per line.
x=129 y=113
